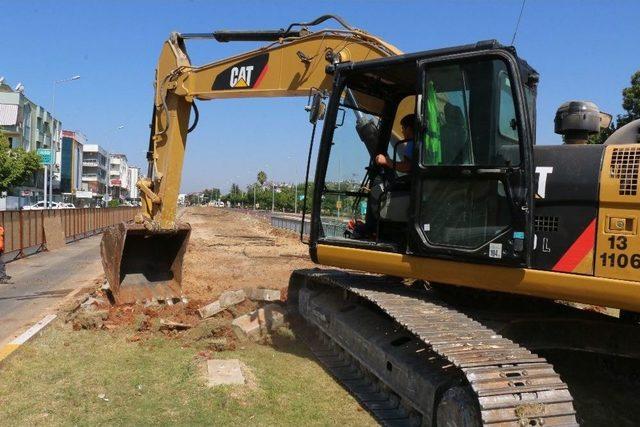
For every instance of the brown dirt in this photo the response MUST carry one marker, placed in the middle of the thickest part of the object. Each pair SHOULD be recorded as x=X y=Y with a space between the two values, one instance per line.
x=231 y=250
x=228 y=250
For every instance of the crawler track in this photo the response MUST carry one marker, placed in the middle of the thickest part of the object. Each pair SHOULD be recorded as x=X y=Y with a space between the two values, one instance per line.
x=450 y=364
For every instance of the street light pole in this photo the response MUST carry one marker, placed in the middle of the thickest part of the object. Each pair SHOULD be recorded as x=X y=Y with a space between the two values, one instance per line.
x=295 y=203
x=53 y=137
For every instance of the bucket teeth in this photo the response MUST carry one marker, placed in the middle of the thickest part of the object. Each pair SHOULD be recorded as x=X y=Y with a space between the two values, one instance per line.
x=143 y=265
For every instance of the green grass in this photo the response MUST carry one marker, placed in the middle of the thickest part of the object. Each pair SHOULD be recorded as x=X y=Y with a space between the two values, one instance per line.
x=57 y=378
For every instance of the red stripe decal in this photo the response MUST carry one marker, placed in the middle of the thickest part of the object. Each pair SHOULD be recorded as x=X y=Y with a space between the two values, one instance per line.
x=578 y=250
x=262 y=73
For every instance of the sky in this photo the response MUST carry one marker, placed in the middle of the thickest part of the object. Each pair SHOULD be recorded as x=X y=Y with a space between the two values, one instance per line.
x=582 y=49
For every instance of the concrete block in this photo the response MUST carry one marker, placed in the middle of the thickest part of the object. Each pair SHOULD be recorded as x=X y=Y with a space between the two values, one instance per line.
x=171 y=325
x=210 y=309
x=259 y=322
x=221 y=372
x=257 y=294
x=229 y=298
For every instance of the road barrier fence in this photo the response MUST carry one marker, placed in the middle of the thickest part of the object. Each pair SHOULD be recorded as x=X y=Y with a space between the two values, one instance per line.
x=332 y=227
x=24 y=230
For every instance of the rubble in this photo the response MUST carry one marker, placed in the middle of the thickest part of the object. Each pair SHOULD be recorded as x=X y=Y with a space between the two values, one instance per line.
x=89 y=319
x=210 y=309
x=259 y=322
x=92 y=303
x=230 y=298
x=227 y=299
x=260 y=294
x=174 y=326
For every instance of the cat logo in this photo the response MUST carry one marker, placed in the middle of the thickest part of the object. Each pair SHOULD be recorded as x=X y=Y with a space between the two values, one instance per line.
x=244 y=75
x=241 y=76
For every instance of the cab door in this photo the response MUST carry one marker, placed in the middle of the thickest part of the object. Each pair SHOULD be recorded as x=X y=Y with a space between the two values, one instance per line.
x=472 y=169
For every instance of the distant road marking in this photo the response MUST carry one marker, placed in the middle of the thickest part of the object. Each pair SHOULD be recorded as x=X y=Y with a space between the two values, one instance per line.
x=25 y=336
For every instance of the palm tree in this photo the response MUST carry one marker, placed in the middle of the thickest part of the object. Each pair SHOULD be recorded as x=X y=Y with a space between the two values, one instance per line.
x=262 y=177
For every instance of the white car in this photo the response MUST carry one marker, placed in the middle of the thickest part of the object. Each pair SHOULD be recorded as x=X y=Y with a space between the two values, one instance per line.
x=41 y=205
x=67 y=206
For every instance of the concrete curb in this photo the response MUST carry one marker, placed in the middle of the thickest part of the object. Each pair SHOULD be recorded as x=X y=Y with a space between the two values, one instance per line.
x=73 y=299
x=13 y=345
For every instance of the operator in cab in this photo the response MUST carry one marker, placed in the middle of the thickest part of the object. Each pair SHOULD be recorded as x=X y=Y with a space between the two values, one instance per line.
x=407 y=124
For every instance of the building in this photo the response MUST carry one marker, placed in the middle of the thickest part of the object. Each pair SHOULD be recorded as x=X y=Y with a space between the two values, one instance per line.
x=95 y=170
x=134 y=175
x=71 y=162
x=31 y=127
x=118 y=177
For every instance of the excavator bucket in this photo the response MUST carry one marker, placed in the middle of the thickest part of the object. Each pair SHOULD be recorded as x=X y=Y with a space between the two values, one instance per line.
x=143 y=265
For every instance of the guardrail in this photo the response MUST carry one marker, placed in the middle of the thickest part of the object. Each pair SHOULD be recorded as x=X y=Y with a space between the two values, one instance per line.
x=331 y=227
x=24 y=230
x=291 y=223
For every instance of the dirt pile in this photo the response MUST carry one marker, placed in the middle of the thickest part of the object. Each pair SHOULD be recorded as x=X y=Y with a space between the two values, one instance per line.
x=228 y=251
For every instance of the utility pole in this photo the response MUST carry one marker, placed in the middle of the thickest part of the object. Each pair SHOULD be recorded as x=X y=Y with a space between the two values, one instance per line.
x=254 y=196
x=295 y=200
x=273 y=196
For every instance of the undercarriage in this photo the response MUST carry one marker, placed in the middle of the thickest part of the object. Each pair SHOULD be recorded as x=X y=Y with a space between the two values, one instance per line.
x=436 y=355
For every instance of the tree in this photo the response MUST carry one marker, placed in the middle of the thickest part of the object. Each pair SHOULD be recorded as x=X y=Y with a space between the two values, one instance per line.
x=193 y=199
x=631 y=105
x=16 y=164
x=262 y=177
x=631 y=101
x=211 y=194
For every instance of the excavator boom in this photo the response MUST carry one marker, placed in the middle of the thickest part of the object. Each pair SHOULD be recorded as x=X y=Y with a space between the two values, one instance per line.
x=143 y=260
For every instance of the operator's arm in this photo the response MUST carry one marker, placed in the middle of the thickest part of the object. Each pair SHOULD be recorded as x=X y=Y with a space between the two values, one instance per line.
x=403 y=166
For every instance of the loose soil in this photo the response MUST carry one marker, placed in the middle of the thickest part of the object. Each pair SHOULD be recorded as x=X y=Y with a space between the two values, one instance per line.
x=228 y=250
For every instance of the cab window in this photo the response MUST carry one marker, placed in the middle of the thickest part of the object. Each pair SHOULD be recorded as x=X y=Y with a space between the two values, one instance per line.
x=459 y=113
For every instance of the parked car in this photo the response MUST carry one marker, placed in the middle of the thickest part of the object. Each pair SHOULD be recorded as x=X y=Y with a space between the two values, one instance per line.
x=41 y=205
x=67 y=206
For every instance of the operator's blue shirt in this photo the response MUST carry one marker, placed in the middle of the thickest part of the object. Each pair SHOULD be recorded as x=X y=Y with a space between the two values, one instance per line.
x=408 y=149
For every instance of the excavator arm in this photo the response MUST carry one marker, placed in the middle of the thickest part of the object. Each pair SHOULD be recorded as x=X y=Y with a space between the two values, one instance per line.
x=143 y=260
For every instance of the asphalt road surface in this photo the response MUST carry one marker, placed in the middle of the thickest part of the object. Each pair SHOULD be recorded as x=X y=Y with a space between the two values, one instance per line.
x=41 y=281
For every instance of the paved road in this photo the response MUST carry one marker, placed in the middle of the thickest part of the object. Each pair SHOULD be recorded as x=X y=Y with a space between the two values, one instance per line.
x=41 y=281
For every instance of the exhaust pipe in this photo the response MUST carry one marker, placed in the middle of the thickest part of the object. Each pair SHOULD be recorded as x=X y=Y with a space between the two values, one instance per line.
x=143 y=265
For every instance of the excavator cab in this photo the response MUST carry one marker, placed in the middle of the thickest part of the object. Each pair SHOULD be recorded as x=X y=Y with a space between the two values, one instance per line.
x=468 y=191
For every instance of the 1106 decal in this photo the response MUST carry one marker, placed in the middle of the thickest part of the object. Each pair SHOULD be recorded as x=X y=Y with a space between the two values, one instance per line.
x=616 y=259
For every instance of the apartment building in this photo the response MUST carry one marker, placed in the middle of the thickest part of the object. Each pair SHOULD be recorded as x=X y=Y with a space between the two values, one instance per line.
x=95 y=170
x=118 y=177
x=29 y=126
x=71 y=162
x=134 y=175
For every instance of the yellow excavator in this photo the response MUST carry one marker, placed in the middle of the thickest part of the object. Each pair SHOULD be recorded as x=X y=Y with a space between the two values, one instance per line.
x=498 y=239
